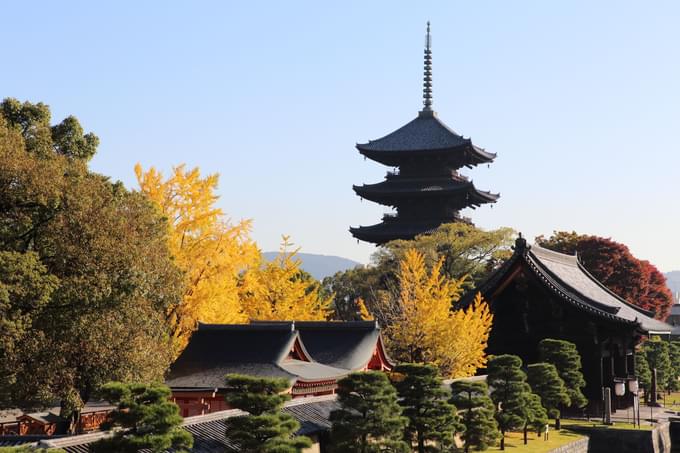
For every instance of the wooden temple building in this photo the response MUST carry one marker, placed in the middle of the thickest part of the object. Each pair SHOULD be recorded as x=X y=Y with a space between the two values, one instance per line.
x=313 y=356
x=425 y=188
x=538 y=294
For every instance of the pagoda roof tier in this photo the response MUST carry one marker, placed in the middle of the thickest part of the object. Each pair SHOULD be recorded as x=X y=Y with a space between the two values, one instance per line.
x=394 y=190
x=427 y=136
x=396 y=228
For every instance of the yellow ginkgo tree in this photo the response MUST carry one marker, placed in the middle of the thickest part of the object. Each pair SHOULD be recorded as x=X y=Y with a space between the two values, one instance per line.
x=426 y=327
x=212 y=252
x=280 y=290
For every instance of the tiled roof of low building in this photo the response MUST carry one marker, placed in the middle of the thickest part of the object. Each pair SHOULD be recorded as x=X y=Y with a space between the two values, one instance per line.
x=313 y=414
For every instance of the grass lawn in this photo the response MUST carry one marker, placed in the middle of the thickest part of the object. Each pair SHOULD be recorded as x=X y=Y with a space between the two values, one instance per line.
x=514 y=442
x=672 y=401
x=566 y=423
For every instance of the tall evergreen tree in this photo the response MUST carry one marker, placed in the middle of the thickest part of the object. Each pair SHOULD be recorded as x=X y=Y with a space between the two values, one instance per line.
x=432 y=421
x=674 y=352
x=267 y=429
x=477 y=414
x=658 y=357
x=546 y=382
x=147 y=418
x=643 y=373
x=370 y=418
x=564 y=355
x=510 y=392
x=534 y=415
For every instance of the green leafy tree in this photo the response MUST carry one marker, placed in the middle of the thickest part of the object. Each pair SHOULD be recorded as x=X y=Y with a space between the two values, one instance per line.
x=510 y=392
x=146 y=418
x=369 y=420
x=25 y=288
x=564 y=355
x=432 y=421
x=105 y=250
x=33 y=122
x=267 y=429
x=534 y=415
x=477 y=414
x=467 y=252
x=674 y=352
x=658 y=357
x=643 y=373
x=546 y=382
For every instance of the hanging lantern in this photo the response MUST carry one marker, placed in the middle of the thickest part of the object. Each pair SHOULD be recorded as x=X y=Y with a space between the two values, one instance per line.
x=619 y=389
x=633 y=386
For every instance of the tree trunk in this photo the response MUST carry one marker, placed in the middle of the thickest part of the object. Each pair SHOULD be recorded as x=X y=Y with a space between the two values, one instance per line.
x=525 y=434
x=502 y=440
x=558 y=424
x=421 y=442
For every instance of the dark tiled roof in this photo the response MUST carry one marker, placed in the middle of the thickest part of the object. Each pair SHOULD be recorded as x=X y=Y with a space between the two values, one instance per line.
x=569 y=280
x=216 y=350
x=312 y=413
x=397 y=228
x=348 y=345
x=393 y=191
x=425 y=132
x=262 y=349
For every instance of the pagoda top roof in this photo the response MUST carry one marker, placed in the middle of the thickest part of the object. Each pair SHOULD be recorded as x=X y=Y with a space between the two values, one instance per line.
x=566 y=277
x=426 y=132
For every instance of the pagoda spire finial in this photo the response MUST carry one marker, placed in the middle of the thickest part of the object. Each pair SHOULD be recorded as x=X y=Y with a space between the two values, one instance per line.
x=427 y=73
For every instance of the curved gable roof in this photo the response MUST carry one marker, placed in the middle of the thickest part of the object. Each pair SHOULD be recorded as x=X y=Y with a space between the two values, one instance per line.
x=349 y=345
x=572 y=277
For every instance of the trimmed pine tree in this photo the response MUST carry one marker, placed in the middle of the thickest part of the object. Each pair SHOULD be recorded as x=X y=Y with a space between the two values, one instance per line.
x=643 y=373
x=477 y=414
x=432 y=421
x=267 y=429
x=535 y=416
x=564 y=355
x=147 y=418
x=510 y=392
x=546 y=382
x=369 y=419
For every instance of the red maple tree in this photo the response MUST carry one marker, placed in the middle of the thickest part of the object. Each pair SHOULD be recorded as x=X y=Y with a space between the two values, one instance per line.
x=612 y=263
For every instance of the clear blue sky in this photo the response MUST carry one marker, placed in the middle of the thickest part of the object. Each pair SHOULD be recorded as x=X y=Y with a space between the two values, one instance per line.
x=579 y=99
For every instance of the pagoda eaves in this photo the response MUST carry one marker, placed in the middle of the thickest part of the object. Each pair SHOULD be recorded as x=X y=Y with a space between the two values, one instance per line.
x=427 y=191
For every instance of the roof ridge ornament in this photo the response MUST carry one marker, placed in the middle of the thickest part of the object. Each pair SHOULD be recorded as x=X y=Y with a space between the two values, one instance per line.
x=427 y=75
x=520 y=244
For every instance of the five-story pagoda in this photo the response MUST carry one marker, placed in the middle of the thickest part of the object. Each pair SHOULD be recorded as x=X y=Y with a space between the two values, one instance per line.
x=427 y=189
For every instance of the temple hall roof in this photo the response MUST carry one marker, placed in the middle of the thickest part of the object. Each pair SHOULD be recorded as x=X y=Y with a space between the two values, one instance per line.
x=566 y=277
x=346 y=345
x=257 y=350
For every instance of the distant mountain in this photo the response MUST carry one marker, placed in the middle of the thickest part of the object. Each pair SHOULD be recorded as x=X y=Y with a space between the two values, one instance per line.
x=319 y=266
x=673 y=281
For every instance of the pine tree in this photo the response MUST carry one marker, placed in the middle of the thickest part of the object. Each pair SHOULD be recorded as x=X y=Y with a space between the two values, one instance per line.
x=534 y=414
x=432 y=421
x=658 y=356
x=546 y=382
x=510 y=392
x=674 y=352
x=643 y=373
x=267 y=429
x=564 y=355
x=147 y=418
x=477 y=414
x=370 y=418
